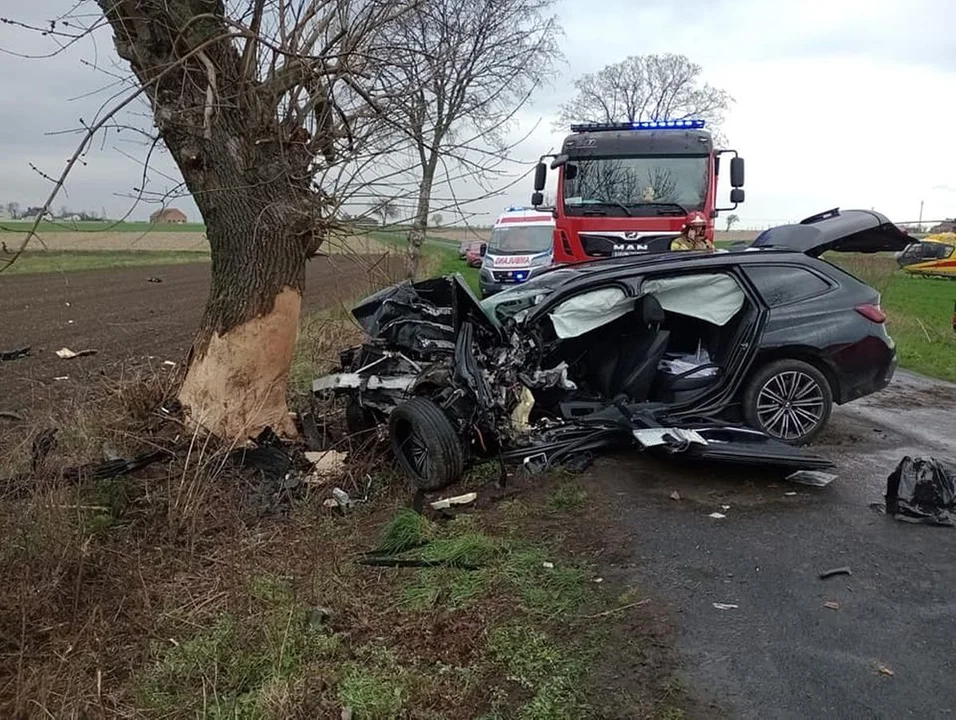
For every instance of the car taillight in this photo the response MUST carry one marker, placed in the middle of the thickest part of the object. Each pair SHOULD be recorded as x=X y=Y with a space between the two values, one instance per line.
x=873 y=313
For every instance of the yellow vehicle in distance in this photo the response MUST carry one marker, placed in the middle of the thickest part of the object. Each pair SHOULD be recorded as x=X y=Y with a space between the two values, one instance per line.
x=933 y=256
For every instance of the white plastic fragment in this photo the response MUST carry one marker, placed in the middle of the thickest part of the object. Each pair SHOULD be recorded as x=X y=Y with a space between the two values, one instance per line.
x=547 y=565
x=446 y=503
x=717 y=516
x=725 y=606
x=330 y=462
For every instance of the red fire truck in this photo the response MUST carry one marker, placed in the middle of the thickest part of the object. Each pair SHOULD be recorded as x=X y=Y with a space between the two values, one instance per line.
x=626 y=188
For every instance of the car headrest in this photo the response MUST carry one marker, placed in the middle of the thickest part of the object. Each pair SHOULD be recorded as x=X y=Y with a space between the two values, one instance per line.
x=648 y=310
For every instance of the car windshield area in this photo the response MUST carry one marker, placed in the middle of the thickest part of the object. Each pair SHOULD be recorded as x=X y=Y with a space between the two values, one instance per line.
x=515 y=302
x=520 y=239
x=638 y=186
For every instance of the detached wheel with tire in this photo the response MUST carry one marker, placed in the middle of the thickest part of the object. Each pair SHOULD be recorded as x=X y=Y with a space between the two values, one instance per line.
x=425 y=444
x=789 y=400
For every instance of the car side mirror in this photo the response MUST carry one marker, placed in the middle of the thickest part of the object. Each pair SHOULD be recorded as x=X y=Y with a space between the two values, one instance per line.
x=737 y=195
x=737 y=172
x=540 y=174
x=537 y=200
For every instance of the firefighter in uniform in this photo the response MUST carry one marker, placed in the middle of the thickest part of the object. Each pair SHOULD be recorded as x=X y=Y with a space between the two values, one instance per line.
x=693 y=236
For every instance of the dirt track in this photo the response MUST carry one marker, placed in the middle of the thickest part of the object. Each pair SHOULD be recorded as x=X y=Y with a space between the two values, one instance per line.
x=124 y=317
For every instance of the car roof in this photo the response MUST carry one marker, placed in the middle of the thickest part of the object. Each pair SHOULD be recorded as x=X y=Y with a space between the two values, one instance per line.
x=667 y=261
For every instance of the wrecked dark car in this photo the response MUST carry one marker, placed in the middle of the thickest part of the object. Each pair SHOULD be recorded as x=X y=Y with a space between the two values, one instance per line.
x=729 y=356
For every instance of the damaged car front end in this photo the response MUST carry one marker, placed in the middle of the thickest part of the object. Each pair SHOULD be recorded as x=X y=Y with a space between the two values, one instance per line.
x=455 y=381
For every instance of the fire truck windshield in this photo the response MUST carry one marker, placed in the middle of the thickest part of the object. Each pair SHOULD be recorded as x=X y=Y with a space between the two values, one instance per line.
x=636 y=185
x=520 y=239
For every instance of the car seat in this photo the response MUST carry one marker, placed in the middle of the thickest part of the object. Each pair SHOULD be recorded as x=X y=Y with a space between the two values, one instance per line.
x=639 y=353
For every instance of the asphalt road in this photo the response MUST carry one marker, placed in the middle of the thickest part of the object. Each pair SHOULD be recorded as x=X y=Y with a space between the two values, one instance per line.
x=782 y=653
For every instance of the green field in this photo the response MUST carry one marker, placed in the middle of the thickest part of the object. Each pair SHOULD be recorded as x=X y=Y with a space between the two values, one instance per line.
x=73 y=260
x=919 y=311
x=48 y=226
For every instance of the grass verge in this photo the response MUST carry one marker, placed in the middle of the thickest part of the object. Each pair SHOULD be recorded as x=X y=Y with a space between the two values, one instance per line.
x=919 y=312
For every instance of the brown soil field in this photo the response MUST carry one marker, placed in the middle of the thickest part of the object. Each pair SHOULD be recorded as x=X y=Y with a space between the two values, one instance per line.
x=125 y=318
x=169 y=241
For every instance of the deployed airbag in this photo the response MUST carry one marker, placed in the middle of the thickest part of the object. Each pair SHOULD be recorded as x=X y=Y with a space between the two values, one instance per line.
x=714 y=298
x=590 y=310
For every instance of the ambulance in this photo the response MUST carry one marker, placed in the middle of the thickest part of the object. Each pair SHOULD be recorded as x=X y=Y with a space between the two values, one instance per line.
x=521 y=245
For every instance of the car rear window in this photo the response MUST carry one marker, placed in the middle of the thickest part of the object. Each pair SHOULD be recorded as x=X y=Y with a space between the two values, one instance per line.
x=785 y=284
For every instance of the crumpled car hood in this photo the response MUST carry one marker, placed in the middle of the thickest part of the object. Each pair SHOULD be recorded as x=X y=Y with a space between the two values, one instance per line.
x=422 y=317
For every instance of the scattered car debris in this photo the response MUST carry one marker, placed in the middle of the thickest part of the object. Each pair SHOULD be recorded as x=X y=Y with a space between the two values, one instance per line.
x=67 y=354
x=830 y=605
x=725 y=508
x=545 y=374
x=790 y=494
x=675 y=495
x=154 y=280
x=812 y=478
x=15 y=354
x=725 y=606
x=326 y=464
x=340 y=499
x=845 y=570
x=169 y=363
x=883 y=670
x=61 y=378
x=922 y=490
x=717 y=516
x=547 y=565
x=446 y=503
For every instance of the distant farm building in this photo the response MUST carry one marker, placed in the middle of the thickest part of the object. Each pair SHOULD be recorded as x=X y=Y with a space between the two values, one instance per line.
x=947 y=226
x=168 y=216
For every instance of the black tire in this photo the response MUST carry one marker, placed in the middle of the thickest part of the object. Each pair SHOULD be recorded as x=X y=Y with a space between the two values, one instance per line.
x=425 y=444
x=768 y=401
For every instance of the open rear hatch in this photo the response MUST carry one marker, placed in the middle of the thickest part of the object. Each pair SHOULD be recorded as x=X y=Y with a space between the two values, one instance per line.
x=861 y=231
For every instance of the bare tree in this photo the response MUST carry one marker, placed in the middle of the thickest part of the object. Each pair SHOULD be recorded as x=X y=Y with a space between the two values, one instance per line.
x=14 y=209
x=646 y=87
x=472 y=65
x=385 y=209
x=731 y=220
x=258 y=102
x=437 y=219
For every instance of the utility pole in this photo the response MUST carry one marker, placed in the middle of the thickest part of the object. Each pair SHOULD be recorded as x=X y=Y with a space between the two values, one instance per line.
x=919 y=225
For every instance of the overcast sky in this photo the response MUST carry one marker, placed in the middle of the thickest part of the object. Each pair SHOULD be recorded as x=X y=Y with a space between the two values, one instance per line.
x=845 y=103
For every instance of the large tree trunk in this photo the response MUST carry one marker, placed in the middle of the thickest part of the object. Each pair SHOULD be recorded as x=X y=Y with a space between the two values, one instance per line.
x=416 y=235
x=250 y=177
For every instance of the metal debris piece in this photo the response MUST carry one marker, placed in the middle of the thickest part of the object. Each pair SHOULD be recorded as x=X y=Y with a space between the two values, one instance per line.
x=845 y=570
x=883 y=670
x=812 y=478
x=675 y=495
x=169 y=363
x=789 y=494
x=446 y=503
x=15 y=354
x=67 y=354
x=832 y=605
x=547 y=565
x=62 y=377
x=717 y=516
x=725 y=606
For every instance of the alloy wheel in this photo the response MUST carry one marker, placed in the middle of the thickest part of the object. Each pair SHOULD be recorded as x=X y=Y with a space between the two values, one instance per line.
x=790 y=405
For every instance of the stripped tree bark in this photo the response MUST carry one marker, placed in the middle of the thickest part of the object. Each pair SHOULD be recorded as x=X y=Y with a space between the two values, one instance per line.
x=252 y=116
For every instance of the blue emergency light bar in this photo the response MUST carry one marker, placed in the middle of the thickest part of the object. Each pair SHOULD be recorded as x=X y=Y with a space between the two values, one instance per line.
x=641 y=125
